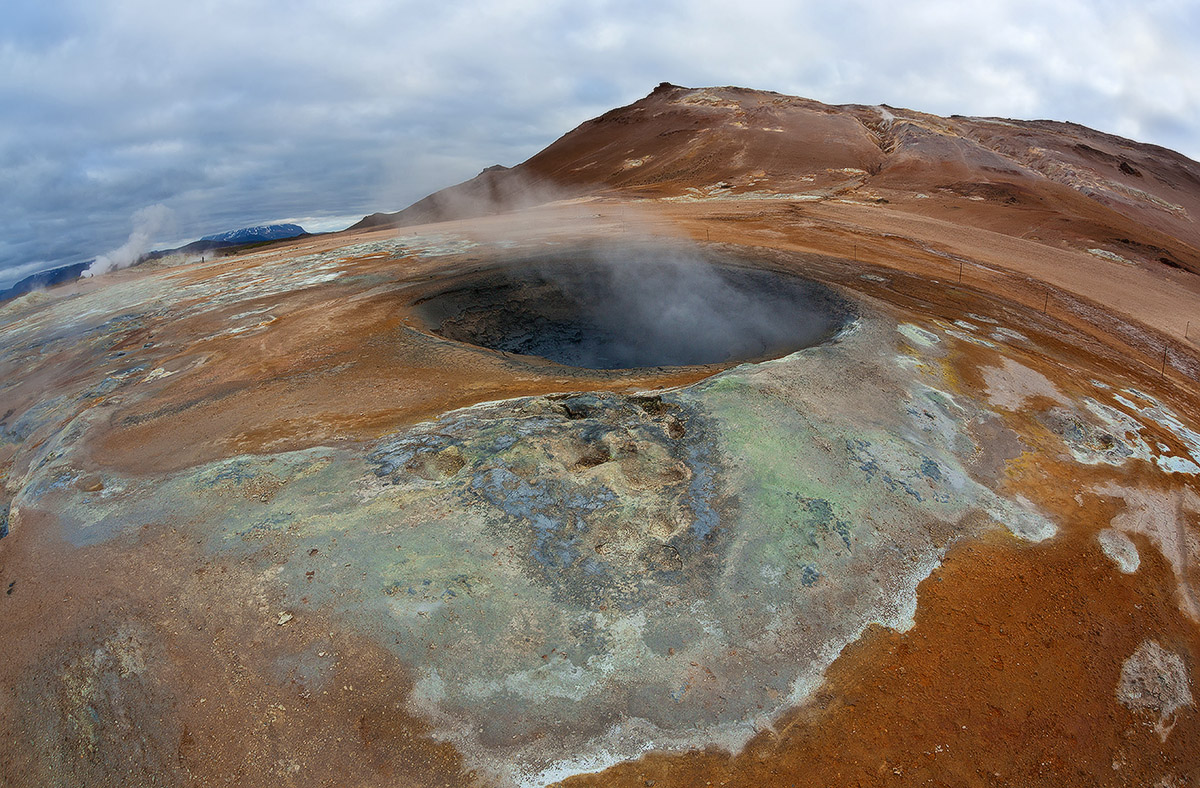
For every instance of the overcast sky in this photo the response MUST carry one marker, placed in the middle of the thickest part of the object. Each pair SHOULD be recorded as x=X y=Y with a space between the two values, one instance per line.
x=240 y=112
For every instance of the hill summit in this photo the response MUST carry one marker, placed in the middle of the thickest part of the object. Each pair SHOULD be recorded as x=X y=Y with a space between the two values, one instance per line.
x=1059 y=183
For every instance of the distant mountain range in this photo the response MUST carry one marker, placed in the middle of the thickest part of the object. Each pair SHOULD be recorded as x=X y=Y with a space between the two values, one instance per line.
x=44 y=279
x=264 y=232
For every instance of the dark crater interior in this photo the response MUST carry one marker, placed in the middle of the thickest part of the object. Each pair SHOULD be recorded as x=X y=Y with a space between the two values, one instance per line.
x=635 y=307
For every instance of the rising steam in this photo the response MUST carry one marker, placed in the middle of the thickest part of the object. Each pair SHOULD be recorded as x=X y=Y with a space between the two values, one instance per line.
x=148 y=222
x=607 y=306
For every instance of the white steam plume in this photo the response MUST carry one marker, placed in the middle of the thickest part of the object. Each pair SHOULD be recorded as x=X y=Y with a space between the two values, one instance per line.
x=147 y=223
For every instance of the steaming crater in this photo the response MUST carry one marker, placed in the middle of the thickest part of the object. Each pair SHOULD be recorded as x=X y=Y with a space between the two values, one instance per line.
x=635 y=307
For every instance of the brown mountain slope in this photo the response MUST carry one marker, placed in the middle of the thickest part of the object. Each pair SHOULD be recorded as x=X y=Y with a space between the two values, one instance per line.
x=1059 y=183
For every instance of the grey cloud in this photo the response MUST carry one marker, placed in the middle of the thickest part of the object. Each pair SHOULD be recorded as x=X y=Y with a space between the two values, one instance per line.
x=237 y=113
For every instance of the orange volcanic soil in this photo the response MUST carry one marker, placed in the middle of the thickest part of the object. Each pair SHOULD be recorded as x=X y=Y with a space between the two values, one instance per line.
x=956 y=544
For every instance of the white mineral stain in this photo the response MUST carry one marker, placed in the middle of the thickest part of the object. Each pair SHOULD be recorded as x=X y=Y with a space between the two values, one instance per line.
x=1114 y=257
x=1011 y=384
x=918 y=335
x=1000 y=334
x=1161 y=516
x=1155 y=680
x=1164 y=417
x=965 y=337
x=594 y=761
x=1177 y=465
x=1120 y=548
x=1021 y=519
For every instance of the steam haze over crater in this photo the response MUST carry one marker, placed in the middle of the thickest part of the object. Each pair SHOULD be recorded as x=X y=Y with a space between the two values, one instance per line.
x=623 y=306
x=235 y=114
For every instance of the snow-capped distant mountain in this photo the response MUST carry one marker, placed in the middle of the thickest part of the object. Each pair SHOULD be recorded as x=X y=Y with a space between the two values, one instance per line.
x=266 y=232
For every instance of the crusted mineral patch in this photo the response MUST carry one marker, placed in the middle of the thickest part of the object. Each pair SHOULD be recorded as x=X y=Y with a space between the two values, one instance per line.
x=1120 y=548
x=1155 y=680
x=1011 y=384
x=114 y=709
x=1164 y=517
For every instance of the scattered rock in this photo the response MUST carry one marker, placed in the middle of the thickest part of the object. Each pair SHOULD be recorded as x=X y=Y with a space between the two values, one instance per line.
x=90 y=483
x=1129 y=169
x=1088 y=443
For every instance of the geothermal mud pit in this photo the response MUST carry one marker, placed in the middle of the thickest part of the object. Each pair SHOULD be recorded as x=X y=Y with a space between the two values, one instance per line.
x=635 y=306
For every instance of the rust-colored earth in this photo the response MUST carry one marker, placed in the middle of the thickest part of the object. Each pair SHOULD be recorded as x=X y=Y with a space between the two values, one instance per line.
x=266 y=525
